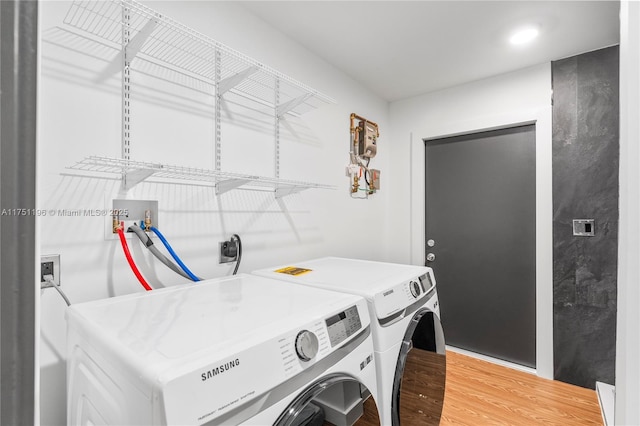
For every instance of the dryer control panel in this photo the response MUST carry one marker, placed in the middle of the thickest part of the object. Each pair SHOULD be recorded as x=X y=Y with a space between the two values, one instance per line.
x=397 y=298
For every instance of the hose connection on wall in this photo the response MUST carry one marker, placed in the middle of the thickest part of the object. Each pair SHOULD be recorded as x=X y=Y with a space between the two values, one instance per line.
x=147 y=220
x=116 y=223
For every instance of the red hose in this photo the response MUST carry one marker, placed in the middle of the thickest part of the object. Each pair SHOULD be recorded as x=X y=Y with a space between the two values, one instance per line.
x=127 y=254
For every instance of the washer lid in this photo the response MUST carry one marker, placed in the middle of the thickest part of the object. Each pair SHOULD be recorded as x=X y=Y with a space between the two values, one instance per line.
x=174 y=326
x=385 y=285
x=362 y=277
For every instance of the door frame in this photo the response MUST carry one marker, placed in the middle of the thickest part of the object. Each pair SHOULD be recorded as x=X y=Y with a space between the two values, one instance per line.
x=541 y=117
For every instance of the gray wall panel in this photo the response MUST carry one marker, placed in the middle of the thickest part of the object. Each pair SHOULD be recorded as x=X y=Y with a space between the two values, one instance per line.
x=18 y=76
x=585 y=186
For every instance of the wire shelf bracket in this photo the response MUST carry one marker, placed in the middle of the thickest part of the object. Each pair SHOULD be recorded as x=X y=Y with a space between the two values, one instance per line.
x=282 y=109
x=282 y=192
x=135 y=44
x=229 y=184
x=134 y=177
x=230 y=82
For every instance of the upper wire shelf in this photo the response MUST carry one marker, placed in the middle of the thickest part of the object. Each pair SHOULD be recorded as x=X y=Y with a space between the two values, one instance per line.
x=134 y=172
x=158 y=38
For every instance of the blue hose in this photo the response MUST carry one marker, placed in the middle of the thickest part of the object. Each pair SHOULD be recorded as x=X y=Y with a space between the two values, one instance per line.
x=173 y=254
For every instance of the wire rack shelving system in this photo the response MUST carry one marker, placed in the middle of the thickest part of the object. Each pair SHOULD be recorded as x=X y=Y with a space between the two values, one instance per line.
x=140 y=32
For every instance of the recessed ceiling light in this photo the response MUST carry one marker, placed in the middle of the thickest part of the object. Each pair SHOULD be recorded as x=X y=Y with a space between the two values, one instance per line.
x=524 y=35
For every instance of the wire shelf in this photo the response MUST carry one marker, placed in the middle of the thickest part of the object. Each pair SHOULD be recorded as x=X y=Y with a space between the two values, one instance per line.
x=134 y=172
x=146 y=36
x=158 y=38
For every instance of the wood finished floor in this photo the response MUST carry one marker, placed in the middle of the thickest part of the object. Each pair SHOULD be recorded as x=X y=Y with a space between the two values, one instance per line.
x=479 y=393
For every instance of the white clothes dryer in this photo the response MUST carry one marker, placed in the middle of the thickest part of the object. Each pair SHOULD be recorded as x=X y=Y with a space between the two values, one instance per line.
x=237 y=350
x=407 y=335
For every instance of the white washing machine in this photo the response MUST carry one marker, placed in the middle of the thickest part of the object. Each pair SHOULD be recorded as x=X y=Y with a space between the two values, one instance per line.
x=237 y=350
x=407 y=335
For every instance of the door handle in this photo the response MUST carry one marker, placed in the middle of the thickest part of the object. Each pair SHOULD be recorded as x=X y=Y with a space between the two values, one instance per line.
x=431 y=257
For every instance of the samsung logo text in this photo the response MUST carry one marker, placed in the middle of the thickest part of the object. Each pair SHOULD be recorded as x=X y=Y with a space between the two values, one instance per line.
x=220 y=369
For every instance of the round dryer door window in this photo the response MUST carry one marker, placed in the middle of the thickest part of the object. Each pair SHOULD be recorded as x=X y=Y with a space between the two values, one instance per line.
x=336 y=399
x=418 y=388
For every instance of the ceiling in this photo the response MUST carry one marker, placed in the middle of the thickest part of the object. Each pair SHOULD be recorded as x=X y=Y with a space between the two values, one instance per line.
x=400 y=49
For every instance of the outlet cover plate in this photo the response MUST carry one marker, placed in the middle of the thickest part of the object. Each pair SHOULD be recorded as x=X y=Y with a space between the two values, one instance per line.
x=54 y=259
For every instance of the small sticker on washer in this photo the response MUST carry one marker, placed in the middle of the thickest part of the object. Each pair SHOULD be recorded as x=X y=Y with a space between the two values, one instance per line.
x=292 y=270
x=366 y=362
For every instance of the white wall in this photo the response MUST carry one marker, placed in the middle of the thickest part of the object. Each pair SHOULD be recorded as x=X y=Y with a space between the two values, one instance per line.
x=519 y=97
x=81 y=116
x=627 y=411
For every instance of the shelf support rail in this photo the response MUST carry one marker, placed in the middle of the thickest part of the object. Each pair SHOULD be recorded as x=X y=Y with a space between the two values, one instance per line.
x=276 y=94
x=126 y=90
x=218 y=110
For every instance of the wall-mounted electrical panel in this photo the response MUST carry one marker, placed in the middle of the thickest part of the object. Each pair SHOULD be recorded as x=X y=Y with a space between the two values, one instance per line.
x=129 y=212
x=363 y=147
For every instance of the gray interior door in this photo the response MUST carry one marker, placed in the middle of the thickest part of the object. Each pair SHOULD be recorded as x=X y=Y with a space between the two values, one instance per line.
x=480 y=216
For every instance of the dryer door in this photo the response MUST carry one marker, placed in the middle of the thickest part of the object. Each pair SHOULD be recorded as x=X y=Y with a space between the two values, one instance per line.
x=418 y=386
x=334 y=399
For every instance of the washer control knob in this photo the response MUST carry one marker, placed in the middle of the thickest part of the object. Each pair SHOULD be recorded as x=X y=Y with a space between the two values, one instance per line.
x=306 y=345
x=415 y=289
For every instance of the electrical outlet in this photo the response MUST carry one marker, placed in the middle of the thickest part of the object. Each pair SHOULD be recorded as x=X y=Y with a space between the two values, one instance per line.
x=50 y=265
x=131 y=212
x=228 y=251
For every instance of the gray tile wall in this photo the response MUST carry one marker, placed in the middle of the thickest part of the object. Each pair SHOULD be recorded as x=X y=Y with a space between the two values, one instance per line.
x=585 y=186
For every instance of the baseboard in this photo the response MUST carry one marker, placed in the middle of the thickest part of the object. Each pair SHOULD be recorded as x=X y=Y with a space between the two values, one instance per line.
x=607 y=399
x=492 y=360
